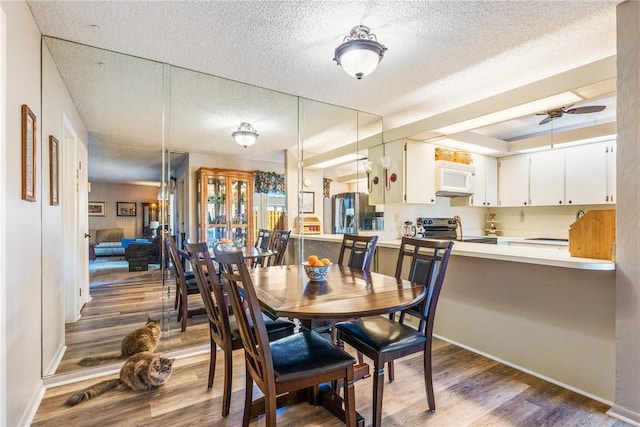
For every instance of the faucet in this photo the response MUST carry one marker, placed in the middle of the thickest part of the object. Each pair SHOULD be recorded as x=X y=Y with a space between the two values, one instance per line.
x=579 y=214
x=459 y=227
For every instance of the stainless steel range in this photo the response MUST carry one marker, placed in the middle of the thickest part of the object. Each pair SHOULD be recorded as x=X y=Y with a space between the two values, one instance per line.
x=446 y=229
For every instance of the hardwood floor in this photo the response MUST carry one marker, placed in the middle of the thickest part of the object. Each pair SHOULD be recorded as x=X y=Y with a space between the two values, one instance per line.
x=471 y=390
x=121 y=301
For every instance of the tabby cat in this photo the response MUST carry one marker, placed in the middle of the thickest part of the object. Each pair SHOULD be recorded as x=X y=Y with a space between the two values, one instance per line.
x=145 y=338
x=141 y=372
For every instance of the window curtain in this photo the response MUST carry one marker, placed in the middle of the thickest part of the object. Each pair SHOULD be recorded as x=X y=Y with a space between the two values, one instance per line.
x=269 y=183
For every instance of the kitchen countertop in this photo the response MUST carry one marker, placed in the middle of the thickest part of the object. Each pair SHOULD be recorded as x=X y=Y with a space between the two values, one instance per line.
x=502 y=252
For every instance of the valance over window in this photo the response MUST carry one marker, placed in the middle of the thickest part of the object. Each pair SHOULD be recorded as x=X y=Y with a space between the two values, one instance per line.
x=269 y=183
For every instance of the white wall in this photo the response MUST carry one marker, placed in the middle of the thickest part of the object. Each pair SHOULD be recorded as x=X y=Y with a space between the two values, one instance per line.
x=56 y=102
x=3 y=213
x=111 y=194
x=23 y=315
x=627 y=403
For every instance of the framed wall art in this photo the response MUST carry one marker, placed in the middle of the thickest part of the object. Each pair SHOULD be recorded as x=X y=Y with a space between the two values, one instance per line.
x=97 y=209
x=308 y=203
x=28 y=154
x=126 y=208
x=53 y=171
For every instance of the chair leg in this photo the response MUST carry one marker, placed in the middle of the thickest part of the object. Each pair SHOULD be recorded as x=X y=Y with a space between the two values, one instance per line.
x=184 y=312
x=391 y=374
x=248 y=398
x=212 y=363
x=428 y=379
x=228 y=373
x=378 y=385
x=270 y=409
x=349 y=401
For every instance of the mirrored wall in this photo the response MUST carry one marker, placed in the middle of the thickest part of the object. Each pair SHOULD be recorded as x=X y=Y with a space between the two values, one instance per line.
x=151 y=127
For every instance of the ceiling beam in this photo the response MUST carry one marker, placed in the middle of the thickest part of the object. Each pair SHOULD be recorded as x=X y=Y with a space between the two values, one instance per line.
x=587 y=75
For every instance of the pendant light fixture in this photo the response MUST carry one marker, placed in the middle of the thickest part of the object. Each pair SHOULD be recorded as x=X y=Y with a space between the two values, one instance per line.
x=360 y=52
x=246 y=135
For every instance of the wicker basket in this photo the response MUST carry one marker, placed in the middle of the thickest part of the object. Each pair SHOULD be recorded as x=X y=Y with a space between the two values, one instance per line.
x=444 y=154
x=462 y=157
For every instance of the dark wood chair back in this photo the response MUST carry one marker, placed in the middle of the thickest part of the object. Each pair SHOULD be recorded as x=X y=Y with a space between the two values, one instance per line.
x=185 y=283
x=279 y=246
x=208 y=284
x=263 y=241
x=254 y=339
x=427 y=260
x=360 y=251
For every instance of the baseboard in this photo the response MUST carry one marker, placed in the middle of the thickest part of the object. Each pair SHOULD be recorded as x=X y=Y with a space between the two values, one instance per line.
x=32 y=408
x=626 y=415
x=57 y=359
x=525 y=370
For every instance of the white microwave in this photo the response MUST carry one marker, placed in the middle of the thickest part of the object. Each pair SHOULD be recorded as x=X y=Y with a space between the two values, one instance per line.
x=454 y=179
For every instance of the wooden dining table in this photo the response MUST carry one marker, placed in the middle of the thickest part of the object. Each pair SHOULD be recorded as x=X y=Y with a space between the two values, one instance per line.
x=286 y=291
x=249 y=252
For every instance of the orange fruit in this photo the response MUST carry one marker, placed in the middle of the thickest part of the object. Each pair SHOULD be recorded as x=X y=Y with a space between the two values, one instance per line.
x=312 y=260
x=318 y=263
x=325 y=261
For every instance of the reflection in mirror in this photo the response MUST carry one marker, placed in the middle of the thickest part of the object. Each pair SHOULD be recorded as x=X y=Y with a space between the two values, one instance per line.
x=119 y=99
x=335 y=142
x=124 y=102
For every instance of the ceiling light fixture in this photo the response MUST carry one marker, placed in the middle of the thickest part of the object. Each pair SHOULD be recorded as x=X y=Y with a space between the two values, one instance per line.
x=246 y=135
x=360 y=52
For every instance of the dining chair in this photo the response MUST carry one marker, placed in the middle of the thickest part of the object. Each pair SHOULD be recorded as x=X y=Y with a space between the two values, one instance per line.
x=360 y=250
x=185 y=283
x=263 y=242
x=223 y=329
x=384 y=339
x=279 y=244
x=300 y=361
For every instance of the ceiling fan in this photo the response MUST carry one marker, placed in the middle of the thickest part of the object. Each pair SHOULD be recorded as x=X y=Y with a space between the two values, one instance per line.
x=559 y=112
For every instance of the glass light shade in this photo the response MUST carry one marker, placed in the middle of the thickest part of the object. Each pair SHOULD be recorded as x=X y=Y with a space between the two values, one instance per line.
x=368 y=166
x=359 y=62
x=360 y=52
x=385 y=162
x=245 y=135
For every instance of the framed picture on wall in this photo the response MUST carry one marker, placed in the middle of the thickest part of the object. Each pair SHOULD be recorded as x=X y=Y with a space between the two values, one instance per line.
x=126 y=208
x=28 y=154
x=53 y=171
x=308 y=203
x=97 y=209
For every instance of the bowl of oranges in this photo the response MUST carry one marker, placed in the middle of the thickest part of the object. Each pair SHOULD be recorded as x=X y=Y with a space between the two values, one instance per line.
x=316 y=268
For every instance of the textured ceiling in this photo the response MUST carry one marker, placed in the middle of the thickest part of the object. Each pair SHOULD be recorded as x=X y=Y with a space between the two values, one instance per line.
x=441 y=55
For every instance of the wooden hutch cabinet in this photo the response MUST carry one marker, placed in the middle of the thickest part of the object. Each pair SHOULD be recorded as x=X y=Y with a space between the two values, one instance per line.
x=225 y=205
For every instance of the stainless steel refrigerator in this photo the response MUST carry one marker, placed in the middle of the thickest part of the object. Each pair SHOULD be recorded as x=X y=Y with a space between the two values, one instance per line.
x=351 y=213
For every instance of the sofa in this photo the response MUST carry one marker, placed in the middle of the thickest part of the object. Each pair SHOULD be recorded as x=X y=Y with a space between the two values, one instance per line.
x=108 y=241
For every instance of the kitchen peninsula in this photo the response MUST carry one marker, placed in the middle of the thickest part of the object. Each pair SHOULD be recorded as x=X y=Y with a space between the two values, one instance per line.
x=539 y=310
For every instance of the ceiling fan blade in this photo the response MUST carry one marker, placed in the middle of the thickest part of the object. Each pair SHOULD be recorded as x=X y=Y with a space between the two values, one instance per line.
x=588 y=109
x=545 y=120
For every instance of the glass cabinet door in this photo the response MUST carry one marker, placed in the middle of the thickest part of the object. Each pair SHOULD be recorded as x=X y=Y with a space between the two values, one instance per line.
x=216 y=208
x=239 y=210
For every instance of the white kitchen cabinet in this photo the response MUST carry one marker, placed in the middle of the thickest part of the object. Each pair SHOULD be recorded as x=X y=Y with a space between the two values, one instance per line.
x=486 y=185
x=413 y=164
x=590 y=174
x=513 y=181
x=546 y=178
x=376 y=190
